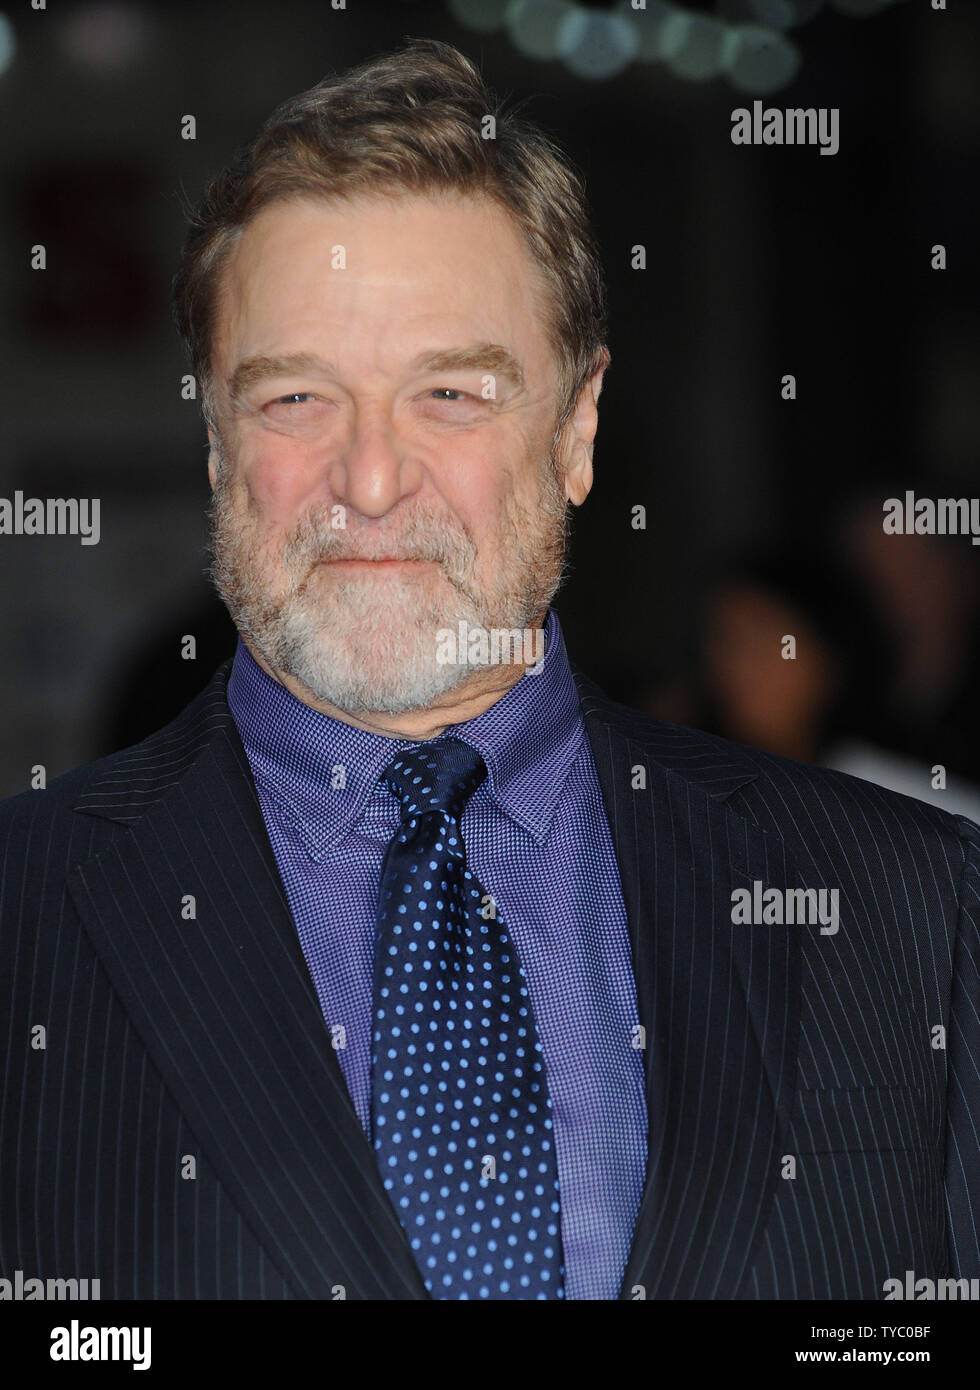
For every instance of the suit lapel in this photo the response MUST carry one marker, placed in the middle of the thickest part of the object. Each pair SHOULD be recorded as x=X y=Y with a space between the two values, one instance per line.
x=719 y=1001
x=224 y=1003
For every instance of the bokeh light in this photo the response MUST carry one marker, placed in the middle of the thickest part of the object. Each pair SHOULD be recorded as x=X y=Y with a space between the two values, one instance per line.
x=484 y=16
x=8 y=44
x=660 y=28
x=597 y=44
x=534 y=26
x=761 y=60
x=701 y=53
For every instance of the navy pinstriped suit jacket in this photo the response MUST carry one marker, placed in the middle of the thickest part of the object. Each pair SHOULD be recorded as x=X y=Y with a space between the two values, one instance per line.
x=168 y=1037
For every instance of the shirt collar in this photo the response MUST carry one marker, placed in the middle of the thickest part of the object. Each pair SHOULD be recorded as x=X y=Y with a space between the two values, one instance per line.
x=321 y=771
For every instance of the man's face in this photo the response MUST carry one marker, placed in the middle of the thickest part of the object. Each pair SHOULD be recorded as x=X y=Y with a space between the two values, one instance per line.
x=369 y=495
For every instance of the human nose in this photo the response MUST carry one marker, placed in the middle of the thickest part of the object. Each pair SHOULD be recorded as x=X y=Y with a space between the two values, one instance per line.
x=374 y=469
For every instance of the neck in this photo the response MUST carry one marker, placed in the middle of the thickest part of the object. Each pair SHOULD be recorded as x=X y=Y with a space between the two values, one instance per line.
x=466 y=701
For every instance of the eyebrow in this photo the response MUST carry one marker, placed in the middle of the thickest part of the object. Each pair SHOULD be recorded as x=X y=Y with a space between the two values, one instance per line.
x=492 y=358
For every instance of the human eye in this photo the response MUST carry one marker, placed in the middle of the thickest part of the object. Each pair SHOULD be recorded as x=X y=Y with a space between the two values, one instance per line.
x=295 y=406
x=443 y=392
x=453 y=405
x=293 y=397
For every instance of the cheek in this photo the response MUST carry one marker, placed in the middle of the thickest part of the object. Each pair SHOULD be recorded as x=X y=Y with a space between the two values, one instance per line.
x=278 y=481
x=470 y=480
x=482 y=477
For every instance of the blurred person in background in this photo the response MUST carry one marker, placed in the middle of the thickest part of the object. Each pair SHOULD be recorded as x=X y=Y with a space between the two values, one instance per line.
x=924 y=592
x=793 y=662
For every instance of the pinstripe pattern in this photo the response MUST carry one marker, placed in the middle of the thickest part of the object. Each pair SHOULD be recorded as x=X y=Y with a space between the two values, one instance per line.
x=169 y=1037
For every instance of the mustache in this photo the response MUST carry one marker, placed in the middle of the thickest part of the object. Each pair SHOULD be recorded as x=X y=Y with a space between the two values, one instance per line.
x=421 y=537
x=315 y=541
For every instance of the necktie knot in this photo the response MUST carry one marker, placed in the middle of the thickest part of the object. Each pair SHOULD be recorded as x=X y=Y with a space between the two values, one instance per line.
x=440 y=776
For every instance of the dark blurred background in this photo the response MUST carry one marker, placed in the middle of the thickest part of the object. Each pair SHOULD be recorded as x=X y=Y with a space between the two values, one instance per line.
x=763 y=515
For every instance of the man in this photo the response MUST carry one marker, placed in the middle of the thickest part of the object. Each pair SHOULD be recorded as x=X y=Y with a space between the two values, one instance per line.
x=403 y=963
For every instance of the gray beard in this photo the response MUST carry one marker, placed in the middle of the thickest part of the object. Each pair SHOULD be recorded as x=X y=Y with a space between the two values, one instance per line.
x=382 y=658
x=367 y=643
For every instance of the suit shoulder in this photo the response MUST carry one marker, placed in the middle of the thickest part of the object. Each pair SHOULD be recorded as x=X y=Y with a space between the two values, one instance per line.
x=787 y=794
x=856 y=798
x=163 y=751
x=59 y=794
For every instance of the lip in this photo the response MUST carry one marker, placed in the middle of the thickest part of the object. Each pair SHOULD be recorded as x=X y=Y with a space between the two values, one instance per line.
x=379 y=562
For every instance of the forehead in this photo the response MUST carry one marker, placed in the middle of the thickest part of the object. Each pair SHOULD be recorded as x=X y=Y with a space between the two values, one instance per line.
x=393 y=265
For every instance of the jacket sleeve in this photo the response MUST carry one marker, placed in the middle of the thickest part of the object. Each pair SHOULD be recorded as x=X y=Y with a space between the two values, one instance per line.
x=962 y=1164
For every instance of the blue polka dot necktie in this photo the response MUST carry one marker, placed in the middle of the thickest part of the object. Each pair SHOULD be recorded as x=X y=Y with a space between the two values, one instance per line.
x=460 y=1112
